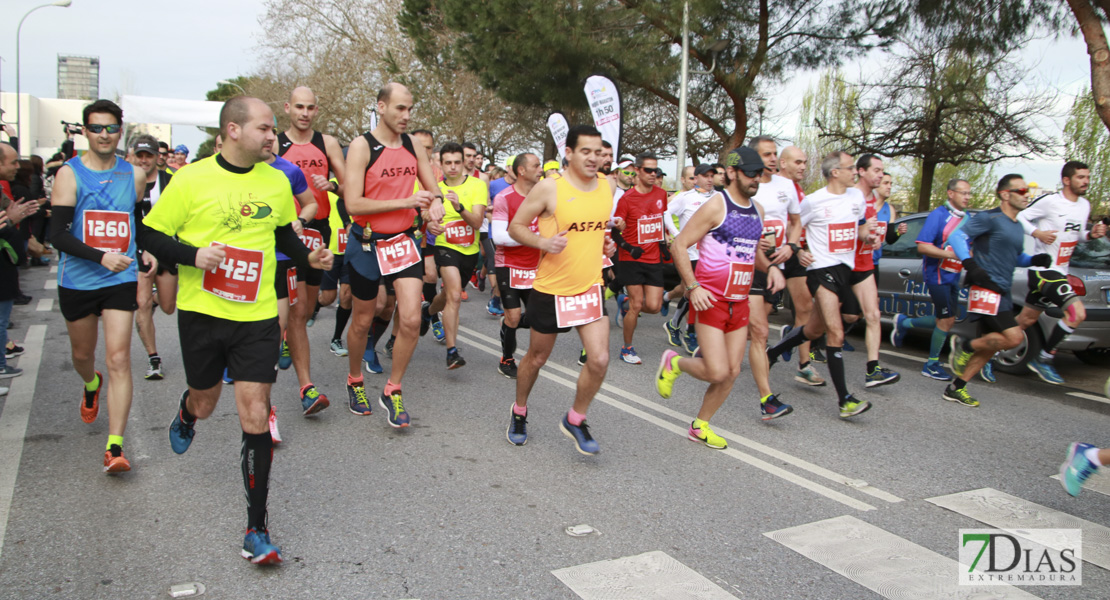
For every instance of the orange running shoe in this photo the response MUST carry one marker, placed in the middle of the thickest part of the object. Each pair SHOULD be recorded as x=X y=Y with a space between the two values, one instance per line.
x=90 y=406
x=114 y=462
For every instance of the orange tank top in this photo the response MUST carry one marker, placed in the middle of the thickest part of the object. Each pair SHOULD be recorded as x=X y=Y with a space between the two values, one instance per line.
x=583 y=215
x=391 y=175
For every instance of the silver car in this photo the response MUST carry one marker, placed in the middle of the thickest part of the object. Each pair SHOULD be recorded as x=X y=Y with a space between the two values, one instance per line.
x=902 y=290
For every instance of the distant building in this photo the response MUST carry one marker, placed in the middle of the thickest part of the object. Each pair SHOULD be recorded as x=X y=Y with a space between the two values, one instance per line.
x=78 y=77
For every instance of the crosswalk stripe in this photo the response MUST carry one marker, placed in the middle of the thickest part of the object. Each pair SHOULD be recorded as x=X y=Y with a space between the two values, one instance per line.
x=45 y=304
x=648 y=576
x=1017 y=515
x=887 y=564
x=1099 y=482
x=50 y=284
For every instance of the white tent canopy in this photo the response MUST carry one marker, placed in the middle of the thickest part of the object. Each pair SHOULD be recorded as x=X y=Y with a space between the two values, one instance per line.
x=145 y=109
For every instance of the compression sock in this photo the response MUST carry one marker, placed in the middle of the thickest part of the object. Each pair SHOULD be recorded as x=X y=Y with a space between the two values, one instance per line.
x=508 y=341
x=256 y=454
x=342 y=315
x=923 y=322
x=1059 y=333
x=680 y=312
x=835 y=356
x=429 y=291
x=936 y=343
x=795 y=338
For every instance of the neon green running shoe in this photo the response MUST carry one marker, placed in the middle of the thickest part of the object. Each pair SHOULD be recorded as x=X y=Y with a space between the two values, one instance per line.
x=667 y=374
x=961 y=396
x=851 y=407
x=701 y=432
x=957 y=357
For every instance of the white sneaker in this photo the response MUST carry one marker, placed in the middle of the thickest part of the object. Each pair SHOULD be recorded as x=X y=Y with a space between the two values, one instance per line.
x=3 y=391
x=273 y=426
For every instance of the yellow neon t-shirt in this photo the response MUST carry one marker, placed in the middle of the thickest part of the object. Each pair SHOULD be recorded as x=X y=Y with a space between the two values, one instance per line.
x=472 y=192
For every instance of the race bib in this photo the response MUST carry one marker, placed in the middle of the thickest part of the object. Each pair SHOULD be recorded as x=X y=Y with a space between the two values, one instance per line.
x=108 y=230
x=291 y=280
x=521 y=279
x=396 y=254
x=739 y=281
x=312 y=239
x=983 y=301
x=238 y=277
x=1063 y=257
x=458 y=233
x=650 y=229
x=779 y=229
x=342 y=242
x=879 y=229
x=572 y=311
x=842 y=237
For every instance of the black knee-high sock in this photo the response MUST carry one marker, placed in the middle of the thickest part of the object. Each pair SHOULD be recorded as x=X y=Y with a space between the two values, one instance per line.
x=508 y=341
x=1059 y=333
x=795 y=338
x=377 y=328
x=680 y=312
x=429 y=291
x=256 y=455
x=316 y=311
x=342 y=315
x=835 y=356
x=524 y=324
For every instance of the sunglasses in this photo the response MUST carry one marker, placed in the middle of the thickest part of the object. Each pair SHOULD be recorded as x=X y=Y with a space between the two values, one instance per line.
x=164 y=153
x=648 y=171
x=752 y=174
x=628 y=173
x=1021 y=191
x=100 y=128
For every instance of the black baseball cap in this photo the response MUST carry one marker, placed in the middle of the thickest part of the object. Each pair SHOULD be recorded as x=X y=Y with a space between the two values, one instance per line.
x=704 y=168
x=744 y=159
x=145 y=143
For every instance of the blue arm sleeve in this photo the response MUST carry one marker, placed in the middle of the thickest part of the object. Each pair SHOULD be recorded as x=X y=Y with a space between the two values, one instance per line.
x=958 y=240
x=1024 y=260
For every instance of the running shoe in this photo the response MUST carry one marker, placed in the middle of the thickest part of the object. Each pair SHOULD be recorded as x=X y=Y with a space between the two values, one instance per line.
x=667 y=373
x=898 y=332
x=473 y=281
x=690 y=342
x=286 y=359
x=181 y=433
x=357 y=401
x=437 y=330
x=934 y=370
x=507 y=367
x=817 y=355
x=493 y=307
x=312 y=401
x=258 y=549
x=987 y=372
x=809 y=377
x=674 y=334
x=154 y=371
x=396 y=416
x=389 y=346
x=91 y=404
x=628 y=355
x=8 y=371
x=114 y=461
x=881 y=376
x=851 y=407
x=465 y=296
x=609 y=293
x=454 y=360
x=4 y=391
x=787 y=355
x=517 y=432
x=13 y=350
x=665 y=308
x=337 y=348
x=1045 y=370
x=425 y=318
x=370 y=362
x=1076 y=468
x=274 y=434
x=582 y=358
x=622 y=307
x=311 y=318
x=961 y=396
x=583 y=441
x=771 y=408
x=227 y=378
x=848 y=347
x=705 y=435
x=957 y=358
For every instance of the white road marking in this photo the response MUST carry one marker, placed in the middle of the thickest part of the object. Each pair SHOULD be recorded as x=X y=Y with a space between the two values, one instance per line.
x=53 y=268
x=1099 y=482
x=1089 y=397
x=648 y=576
x=45 y=304
x=1017 y=516
x=50 y=284
x=681 y=429
x=887 y=564
x=854 y=483
x=13 y=419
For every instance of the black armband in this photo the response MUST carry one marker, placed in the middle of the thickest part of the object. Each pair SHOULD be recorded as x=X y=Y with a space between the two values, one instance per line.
x=289 y=244
x=60 y=222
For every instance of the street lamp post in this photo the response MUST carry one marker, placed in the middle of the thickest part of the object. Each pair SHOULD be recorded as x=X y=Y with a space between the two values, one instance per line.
x=232 y=83
x=18 y=98
x=715 y=49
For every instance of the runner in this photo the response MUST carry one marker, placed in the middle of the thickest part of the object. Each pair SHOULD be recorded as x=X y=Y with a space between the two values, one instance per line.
x=682 y=207
x=1083 y=460
x=516 y=264
x=457 y=249
x=489 y=246
x=573 y=211
x=869 y=169
x=605 y=167
x=383 y=166
x=1057 y=222
x=941 y=270
x=471 y=162
x=144 y=151
x=230 y=213
x=728 y=231
x=551 y=169
x=995 y=237
x=95 y=218
x=641 y=270
x=163 y=154
x=834 y=218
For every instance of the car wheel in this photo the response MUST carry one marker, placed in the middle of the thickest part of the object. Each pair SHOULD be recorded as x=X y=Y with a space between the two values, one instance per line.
x=1016 y=361
x=1097 y=357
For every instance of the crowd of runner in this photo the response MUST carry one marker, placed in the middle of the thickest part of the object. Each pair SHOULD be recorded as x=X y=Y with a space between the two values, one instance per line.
x=247 y=245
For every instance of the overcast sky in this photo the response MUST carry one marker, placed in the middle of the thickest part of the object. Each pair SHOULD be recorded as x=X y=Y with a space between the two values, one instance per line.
x=142 y=52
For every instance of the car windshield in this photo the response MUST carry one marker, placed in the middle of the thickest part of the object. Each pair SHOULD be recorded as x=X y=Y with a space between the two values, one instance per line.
x=1092 y=254
x=906 y=246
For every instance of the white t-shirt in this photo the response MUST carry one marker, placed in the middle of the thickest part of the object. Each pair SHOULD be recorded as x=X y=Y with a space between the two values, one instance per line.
x=831 y=223
x=1056 y=213
x=684 y=205
x=779 y=199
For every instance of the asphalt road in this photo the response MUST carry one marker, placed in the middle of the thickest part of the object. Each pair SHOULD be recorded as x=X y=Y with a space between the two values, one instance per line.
x=449 y=509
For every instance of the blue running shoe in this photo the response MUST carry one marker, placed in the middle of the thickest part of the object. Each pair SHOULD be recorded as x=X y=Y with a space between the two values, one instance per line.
x=258 y=549
x=1045 y=370
x=771 y=408
x=286 y=359
x=674 y=335
x=227 y=378
x=181 y=433
x=517 y=433
x=622 y=308
x=935 y=370
x=312 y=401
x=666 y=307
x=437 y=330
x=898 y=332
x=628 y=355
x=370 y=362
x=397 y=416
x=583 y=441
x=881 y=376
x=848 y=347
x=786 y=356
x=1077 y=468
x=987 y=372
x=493 y=307
x=690 y=342
x=357 y=401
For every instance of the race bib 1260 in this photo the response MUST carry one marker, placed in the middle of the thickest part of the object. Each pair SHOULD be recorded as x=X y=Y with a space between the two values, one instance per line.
x=108 y=230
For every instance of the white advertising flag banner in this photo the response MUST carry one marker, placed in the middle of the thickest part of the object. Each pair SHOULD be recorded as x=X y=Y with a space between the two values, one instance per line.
x=557 y=125
x=605 y=104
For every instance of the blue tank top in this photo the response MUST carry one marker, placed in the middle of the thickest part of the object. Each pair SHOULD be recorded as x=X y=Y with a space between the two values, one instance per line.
x=104 y=218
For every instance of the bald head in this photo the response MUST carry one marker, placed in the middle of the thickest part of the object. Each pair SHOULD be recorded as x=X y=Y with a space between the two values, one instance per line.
x=302 y=94
x=386 y=93
x=247 y=130
x=395 y=107
x=792 y=163
x=302 y=109
x=9 y=162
